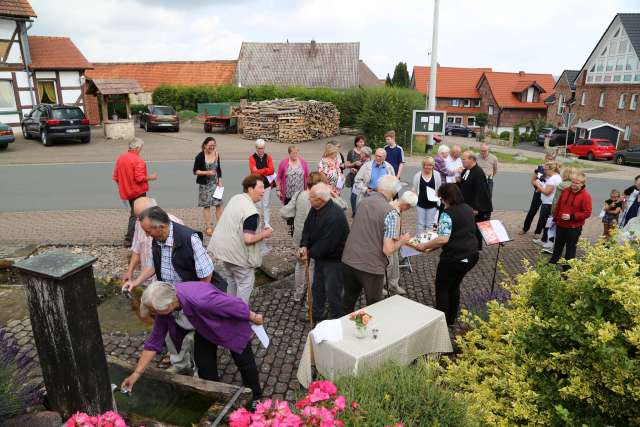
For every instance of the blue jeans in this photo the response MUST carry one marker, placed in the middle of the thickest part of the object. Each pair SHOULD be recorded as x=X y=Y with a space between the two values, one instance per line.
x=425 y=219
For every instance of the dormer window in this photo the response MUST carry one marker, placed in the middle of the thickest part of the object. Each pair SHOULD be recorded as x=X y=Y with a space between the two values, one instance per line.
x=530 y=94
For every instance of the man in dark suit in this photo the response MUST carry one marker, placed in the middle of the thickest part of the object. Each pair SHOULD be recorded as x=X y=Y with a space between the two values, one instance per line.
x=475 y=190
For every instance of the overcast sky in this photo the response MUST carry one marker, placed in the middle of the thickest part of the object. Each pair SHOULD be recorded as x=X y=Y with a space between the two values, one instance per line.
x=506 y=35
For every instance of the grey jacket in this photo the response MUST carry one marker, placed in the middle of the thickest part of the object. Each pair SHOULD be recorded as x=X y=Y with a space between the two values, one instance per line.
x=361 y=181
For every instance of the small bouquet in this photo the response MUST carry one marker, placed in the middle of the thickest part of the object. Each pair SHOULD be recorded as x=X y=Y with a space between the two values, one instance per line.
x=360 y=318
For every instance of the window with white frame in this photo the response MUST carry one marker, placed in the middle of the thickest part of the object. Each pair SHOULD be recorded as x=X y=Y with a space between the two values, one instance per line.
x=621 y=101
x=583 y=133
x=634 y=102
x=627 y=133
x=467 y=103
x=476 y=103
x=601 y=102
x=583 y=98
x=471 y=121
x=491 y=110
x=7 y=96
x=455 y=102
x=560 y=104
x=615 y=60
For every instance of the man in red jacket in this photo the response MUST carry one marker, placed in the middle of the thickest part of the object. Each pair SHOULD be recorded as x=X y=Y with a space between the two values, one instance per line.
x=261 y=163
x=130 y=173
x=572 y=210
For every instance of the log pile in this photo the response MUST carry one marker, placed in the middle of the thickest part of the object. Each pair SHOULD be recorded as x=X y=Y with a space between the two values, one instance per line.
x=290 y=121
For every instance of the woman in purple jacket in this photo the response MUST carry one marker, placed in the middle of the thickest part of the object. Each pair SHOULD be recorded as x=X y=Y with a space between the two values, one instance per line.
x=216 y=318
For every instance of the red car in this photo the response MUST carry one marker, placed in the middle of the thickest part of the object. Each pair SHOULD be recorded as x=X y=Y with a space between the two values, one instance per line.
x=594 y=148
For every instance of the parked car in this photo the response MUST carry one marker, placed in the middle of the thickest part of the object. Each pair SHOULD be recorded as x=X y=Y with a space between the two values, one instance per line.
x=630 y=155
x=159 y=117
x=455 y=129
x=56 y=122
x=594 y=148
x=556 y=137
x=6 y=136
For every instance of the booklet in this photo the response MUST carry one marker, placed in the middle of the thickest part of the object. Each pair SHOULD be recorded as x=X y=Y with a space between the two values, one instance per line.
x=261 y=333
x=493 y=232
x=218 y=193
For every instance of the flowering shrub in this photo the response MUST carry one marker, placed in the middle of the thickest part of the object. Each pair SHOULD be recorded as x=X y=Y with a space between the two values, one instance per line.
x=563 y=351
x=108 y=419
x=16 y=392
x=321 y=407
x=360 y=318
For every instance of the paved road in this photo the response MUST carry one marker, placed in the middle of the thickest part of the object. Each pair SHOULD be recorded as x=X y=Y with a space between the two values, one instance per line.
x=25 y=188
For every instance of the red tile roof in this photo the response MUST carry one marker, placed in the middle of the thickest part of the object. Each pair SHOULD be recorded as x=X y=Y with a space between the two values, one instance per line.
x=16 y=8
x=503 y=86
x=150 y=75
x=55 y=53
x=452 y=82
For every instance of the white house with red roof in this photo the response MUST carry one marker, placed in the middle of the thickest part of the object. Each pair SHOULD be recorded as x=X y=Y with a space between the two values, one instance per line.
x=35 y=69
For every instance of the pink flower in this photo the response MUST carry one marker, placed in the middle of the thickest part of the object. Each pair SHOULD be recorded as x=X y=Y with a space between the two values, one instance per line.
x=318 y=395
x=240 y=418
x=302 y=403
x=355 y=405
x=340 y=403
x=263 y=407
x=326 y=386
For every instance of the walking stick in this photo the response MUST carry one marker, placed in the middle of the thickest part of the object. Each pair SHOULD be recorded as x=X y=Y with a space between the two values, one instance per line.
x=309 y=295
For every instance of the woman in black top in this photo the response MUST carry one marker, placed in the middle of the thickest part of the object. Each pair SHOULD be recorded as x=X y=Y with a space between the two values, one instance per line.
x=354 y=161
x=206 y=167
x=457 y=238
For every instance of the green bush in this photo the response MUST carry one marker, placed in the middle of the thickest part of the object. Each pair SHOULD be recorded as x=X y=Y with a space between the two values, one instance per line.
x=408 y=395
x=516 y=135
x=563 y=351
x=504 y=135
x=349 y=102
x=136 y=108
x=186 y=115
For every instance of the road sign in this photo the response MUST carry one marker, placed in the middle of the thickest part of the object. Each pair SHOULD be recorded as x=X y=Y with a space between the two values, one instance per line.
x=427 y=122
x=568 y=118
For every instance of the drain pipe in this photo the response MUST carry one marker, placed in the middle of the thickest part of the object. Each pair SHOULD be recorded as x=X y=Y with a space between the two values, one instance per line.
x=228 y=406
x=24 y=41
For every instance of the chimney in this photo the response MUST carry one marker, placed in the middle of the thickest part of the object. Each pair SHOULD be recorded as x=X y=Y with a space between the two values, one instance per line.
x=521 y=73
x=313 y=49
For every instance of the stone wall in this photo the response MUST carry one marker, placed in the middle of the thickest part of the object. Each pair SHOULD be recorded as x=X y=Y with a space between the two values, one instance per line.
x=121 y=129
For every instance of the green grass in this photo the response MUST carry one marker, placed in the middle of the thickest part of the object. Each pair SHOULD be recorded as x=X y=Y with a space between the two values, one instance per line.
x=404 y=394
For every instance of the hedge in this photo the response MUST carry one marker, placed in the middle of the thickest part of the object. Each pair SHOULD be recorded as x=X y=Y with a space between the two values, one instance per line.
x=374 y=110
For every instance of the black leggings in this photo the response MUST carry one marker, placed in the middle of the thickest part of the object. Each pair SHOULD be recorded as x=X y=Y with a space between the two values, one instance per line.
x=545 y=212
x=449 y=275
x=565 y=238
x=205 y=354
x=536 y=201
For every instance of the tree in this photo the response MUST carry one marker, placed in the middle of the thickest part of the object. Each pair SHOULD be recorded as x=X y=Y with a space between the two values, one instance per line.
x=482 y=119
x=388 y=82
x=401 y=76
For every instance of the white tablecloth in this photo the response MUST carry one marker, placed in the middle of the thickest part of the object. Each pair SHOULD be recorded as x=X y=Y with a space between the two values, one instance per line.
x=407 y=330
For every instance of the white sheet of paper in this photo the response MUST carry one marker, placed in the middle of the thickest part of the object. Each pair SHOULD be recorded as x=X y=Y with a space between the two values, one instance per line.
x=272 y=178
x=501 y=232
x=407 y=251
x=340 y=182
x=424 y=119
x=430 y=127
x=261 y=334
x=218 y=193
x=437 y=120
x=432 y=196
x=327 y=330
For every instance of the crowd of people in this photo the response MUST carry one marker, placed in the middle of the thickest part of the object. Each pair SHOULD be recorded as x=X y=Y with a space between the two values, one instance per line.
x=338 y=259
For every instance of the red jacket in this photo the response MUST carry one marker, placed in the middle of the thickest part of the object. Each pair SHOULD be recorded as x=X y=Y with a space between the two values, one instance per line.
x=265 y=172
x=578 y=205
x=130 y=173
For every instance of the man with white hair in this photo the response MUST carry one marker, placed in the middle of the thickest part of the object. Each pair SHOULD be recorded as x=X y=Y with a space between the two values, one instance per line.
x=408 y=200
x=489 y=164
x=130 y=174
x=323 y=237
x=454 y=165
x=366 y=179
x=261 y=163
x=373 y=237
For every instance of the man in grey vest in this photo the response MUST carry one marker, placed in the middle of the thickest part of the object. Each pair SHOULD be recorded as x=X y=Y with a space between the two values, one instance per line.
x=374 y=236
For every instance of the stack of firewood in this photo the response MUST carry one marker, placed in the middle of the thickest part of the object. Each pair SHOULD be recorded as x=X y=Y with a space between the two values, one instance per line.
x=290 y=121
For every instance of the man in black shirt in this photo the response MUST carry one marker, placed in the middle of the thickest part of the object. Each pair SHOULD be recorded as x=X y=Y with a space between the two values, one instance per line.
x=323 y=237
x=475 y=190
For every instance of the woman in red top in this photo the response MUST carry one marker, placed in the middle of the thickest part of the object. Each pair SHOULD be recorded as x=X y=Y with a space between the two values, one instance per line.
x=572 y=210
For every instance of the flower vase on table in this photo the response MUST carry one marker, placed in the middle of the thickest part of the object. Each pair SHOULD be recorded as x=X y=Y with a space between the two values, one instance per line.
x=361 y=320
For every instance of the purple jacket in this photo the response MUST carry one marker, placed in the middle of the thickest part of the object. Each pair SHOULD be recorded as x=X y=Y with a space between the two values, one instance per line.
x=220 y=318
x=282 y=175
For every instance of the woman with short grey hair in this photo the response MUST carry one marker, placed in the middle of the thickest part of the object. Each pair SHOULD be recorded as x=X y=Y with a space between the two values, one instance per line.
x=218 y=320
x=425 y=184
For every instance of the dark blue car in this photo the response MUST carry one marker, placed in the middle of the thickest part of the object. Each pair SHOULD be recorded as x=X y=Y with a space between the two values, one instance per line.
x=6 y=136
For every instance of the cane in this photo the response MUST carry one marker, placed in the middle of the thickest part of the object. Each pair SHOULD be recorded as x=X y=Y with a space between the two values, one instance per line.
x=309 y=295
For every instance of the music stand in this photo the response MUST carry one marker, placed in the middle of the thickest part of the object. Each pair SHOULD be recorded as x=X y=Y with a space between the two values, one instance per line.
x=494 y=233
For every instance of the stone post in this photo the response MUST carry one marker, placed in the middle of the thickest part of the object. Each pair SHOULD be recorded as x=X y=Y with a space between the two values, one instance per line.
x=61 y=297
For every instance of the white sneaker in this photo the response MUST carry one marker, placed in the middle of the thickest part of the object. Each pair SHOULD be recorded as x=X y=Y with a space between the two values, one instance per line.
x=398 y=290
x=538 y=242
x=547 y=250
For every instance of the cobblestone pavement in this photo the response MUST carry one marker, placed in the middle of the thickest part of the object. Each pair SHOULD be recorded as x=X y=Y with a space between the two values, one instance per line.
x=278 y=364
